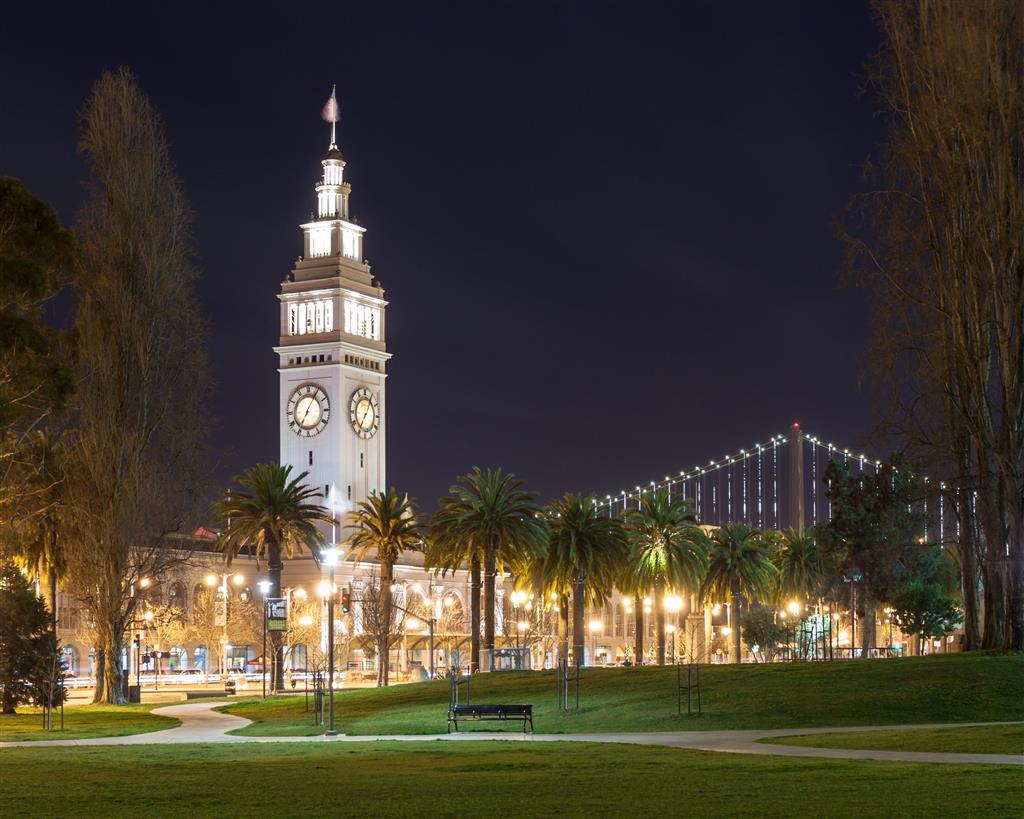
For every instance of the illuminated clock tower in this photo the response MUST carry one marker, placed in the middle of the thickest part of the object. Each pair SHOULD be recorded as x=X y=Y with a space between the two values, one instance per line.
x=332 y=351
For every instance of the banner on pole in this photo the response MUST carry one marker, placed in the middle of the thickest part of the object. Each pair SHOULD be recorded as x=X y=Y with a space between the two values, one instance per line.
x=277 y=614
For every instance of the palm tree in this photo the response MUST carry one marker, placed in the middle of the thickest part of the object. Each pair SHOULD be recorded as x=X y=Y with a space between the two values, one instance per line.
x=669 y=551
x=272 y=516
x=488 y=520
x=447 y=551
x=739 y=566
x=383 y=527
x=627 y=584
x=802 y=567
x=585 y=554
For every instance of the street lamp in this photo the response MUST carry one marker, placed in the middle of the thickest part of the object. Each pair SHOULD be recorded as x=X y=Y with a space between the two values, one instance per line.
x=211 y=581
x=330 y=558
x=265 y=586
x=596 y=627
x=673 y=605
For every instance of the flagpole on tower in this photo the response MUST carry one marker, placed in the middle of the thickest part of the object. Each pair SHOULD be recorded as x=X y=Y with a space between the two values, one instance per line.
x=331 y=112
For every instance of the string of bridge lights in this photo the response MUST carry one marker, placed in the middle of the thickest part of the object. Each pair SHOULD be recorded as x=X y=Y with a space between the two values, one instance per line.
x=741 y=457
x=770 y=510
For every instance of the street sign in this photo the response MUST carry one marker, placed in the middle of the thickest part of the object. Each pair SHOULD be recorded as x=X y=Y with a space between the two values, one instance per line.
x=277 y=614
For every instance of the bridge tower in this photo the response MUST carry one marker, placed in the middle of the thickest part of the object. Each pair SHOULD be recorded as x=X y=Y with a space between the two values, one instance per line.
x=796 y=477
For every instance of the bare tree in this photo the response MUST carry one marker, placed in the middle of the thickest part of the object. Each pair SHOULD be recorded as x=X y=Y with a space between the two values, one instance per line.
x=204 y=621
x=379 y=622
x=136 y=461
x=942 y=246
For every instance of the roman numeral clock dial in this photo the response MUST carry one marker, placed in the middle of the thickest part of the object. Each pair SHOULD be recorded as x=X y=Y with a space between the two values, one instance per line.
x=364 y=413
x=308 y=410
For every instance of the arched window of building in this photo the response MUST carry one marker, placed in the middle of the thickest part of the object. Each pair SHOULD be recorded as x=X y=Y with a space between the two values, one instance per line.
x=177 y=595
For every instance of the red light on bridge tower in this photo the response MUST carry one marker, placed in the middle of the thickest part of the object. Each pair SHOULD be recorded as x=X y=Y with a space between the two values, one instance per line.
x=795 y=425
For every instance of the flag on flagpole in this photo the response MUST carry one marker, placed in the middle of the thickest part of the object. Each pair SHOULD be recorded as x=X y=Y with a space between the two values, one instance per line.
x=331 y=112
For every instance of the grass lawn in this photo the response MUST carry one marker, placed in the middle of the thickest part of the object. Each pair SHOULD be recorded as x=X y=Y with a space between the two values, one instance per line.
x=944 y=688
x=84 y=721
x=994 y=739
x=476 y=779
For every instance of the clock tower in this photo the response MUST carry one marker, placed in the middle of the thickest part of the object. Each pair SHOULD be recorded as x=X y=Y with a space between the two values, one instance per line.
x=332 y=351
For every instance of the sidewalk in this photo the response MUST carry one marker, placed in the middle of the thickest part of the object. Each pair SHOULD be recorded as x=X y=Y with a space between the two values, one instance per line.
x=200 y=724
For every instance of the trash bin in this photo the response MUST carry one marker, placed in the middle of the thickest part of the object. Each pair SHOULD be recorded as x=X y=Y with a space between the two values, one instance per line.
x=134 y=693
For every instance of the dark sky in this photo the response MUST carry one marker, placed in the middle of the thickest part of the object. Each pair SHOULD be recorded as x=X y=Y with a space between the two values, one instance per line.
x=606 y=229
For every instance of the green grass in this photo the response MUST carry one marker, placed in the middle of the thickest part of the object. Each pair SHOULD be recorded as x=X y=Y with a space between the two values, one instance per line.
x=992 y=739
x=84 y=722
x=945 y=688
x=477 y=779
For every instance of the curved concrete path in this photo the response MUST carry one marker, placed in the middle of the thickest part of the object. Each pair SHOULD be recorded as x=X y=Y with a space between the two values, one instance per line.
x=200 y=724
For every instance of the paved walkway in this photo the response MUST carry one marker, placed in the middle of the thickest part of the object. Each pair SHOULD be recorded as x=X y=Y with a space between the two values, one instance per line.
x=200 y=724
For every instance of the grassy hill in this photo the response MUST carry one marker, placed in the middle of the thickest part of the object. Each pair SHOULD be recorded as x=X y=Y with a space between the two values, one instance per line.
x=85 y=722
x=945 y=688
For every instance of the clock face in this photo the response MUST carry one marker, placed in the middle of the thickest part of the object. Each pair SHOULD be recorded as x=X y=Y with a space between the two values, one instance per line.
x=308 y=410
x=364 y=413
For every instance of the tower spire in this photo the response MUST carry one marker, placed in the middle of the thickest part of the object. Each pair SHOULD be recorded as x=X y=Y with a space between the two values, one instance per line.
x=331 y=113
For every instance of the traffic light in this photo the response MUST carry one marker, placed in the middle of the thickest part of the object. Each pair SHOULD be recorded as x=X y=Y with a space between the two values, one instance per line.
x=346 y=600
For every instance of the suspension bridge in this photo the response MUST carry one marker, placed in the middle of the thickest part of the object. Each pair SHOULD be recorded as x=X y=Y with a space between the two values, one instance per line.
x=771 y=484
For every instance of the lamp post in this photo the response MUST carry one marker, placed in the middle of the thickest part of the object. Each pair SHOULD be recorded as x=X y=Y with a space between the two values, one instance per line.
x=265 y=586
x=147 y=618
x=330 y=558
x=673 y=605
x=211 y=581
x=794 y=610
x=596 y=627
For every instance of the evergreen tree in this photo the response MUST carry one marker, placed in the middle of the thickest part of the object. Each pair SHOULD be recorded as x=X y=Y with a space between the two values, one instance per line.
x=28 y=644
x=36 y=256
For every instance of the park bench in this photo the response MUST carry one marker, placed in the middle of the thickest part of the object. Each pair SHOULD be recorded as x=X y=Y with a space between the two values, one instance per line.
x=502 y=713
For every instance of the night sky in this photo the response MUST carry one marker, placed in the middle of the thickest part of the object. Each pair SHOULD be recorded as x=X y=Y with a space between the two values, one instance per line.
x=606 y=229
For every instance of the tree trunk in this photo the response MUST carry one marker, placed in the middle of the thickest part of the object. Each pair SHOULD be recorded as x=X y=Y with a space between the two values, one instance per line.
x=474 y=616
x=659 y=620
x=969 y=580
x=995 y=600
x=563 y=627
x=99 y=669
x=638 y=617
x=110 y=692
x=52 y=583
x=737 y=620
x=579 y=635
x=274 y=567
x=490 y=571
x=1016 y=572
x=867 y=623
x=387 y=577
